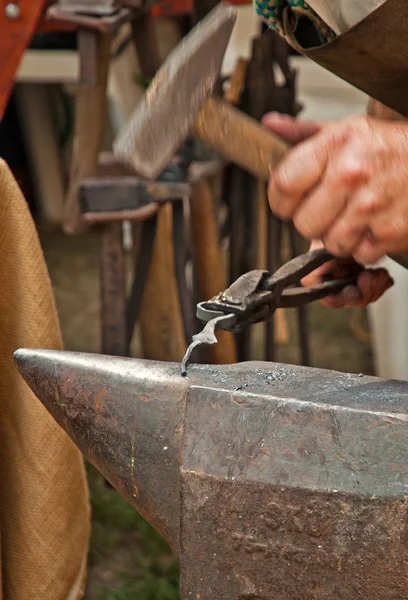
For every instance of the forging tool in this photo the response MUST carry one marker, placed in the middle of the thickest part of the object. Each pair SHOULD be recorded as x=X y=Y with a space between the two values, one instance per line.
x=267 y=480
x=256 y=295
x=180 y=99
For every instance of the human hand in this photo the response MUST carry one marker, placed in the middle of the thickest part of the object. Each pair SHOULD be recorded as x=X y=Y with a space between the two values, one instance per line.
x=372 y=283
x=345 y=183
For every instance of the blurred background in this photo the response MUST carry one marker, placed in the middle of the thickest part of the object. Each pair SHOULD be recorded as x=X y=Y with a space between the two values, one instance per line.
x=42 y=136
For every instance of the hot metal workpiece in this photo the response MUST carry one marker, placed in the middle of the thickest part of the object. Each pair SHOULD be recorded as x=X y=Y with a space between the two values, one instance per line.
x=268 y=481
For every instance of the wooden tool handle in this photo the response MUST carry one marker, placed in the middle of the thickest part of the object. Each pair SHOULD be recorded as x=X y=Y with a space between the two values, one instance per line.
x=241 y=139
x=209 y=263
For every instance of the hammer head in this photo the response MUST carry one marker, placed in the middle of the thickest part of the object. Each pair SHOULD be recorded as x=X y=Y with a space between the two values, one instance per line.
x=269 y=481
x=164 y=116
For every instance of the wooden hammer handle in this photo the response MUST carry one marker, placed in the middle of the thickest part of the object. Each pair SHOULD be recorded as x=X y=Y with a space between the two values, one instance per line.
x=241 y=139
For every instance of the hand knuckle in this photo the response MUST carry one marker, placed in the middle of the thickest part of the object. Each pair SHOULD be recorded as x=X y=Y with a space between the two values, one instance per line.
x=393 y=232
x=364 y=256
x=358 y=125
x=305 y=228
x=372 y=202
x=354 y=170
x=281 y=180
x=331 y=245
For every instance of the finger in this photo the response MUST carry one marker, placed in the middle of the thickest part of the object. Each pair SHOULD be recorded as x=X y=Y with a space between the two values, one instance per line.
x=315 y=276
x=297 y=175
x=321 y=208
x=382 y=283
x=290 y=129
x=368 y=251
x=346 y=297
x=390 y=225
x=373 y=283
x=348 y=232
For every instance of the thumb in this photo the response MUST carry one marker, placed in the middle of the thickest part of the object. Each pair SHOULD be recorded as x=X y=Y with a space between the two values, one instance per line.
x=290 y=129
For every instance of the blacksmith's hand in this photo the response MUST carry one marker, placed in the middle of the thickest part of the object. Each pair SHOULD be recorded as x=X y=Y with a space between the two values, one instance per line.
x=372 y=283
x=345 y=183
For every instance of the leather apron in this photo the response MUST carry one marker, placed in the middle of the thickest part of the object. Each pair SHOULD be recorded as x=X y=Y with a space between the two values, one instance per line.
x=372 y=55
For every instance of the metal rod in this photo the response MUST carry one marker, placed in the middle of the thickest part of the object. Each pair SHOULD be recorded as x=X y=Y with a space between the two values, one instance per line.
x=140 y=276
x=302 y=311
x=113 y=291
x=179 y=246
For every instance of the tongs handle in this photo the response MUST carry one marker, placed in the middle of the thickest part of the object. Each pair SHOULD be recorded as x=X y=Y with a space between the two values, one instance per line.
x=298 y=296
x=297 y=268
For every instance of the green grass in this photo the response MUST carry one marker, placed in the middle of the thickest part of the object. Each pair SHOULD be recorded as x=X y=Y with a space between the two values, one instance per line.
x=128 y=560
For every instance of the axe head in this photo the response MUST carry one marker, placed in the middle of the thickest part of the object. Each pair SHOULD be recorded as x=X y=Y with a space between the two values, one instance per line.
x=164 y=116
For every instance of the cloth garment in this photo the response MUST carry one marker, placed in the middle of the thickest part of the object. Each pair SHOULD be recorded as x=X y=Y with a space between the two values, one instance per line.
x=343 y=14
x=272 y=11
x=328 y=17
x=44 y=506
x=371 y=55
x=340 y=15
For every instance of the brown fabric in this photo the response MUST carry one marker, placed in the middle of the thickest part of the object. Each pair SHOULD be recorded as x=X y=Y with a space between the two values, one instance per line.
x=44 y=508
x=372 y=55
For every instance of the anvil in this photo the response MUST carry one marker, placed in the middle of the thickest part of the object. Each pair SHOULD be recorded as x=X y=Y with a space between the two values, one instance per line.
x=268 y=481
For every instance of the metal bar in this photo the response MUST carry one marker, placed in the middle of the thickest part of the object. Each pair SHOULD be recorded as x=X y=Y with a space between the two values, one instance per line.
x=140 y=276
x=274 y=261
x=302 y=311
x=113 y=291
x=186 y=301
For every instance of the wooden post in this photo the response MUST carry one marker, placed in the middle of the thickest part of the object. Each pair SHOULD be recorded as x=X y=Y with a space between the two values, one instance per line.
x=161 y=324
x=209 y=262
x=90 y=118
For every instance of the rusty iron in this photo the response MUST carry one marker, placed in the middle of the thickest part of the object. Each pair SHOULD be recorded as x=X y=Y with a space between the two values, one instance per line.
x=268 y=481
x=119 y=198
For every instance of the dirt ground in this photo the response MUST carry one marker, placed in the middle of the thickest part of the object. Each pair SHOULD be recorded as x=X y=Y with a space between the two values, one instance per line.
x=127 y=559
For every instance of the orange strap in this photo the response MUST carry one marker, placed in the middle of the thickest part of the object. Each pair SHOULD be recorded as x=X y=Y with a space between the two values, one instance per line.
x=172 y=8
x=15 y=36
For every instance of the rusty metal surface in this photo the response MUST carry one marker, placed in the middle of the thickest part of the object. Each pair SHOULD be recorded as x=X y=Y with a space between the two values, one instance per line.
x=127 y=193
x=164 y=116
x=268 y=481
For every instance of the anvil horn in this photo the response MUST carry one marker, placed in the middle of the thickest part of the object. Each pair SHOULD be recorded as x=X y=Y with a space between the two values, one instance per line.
x=126 y=418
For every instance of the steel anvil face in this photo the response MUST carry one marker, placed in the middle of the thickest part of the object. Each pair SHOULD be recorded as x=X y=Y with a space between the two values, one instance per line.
x=269 y=481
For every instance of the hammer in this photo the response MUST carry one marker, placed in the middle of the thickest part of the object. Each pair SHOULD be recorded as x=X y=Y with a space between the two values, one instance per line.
x=179 y=100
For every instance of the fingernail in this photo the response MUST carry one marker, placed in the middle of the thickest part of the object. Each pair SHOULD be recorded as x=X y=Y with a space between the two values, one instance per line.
x=351 y=294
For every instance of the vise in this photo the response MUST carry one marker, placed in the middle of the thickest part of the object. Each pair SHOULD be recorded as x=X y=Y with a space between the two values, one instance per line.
x=268 y=481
